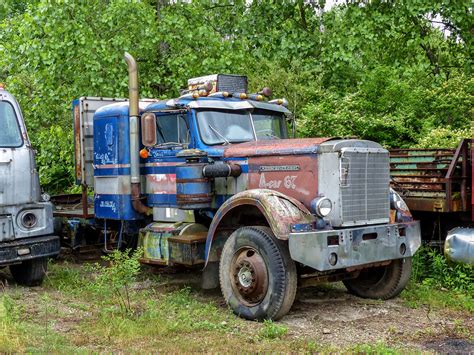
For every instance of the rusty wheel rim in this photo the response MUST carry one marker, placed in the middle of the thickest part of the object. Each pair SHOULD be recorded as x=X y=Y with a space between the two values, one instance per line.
x=249 y=276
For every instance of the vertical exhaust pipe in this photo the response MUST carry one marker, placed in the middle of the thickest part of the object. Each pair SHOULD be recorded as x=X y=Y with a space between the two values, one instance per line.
x=134 y=135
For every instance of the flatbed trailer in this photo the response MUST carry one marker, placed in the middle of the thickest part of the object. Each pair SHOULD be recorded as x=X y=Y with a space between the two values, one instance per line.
x=436 y=184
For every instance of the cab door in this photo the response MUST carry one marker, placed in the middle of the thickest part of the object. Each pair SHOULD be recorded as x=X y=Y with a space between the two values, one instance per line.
x=173 y=135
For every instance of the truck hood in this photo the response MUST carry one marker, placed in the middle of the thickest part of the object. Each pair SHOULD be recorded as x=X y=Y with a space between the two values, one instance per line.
x=275 y=147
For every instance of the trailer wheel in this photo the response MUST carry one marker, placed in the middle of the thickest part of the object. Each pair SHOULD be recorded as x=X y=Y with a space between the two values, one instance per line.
x=257 y=276
x=30 y=272
x=383 y=282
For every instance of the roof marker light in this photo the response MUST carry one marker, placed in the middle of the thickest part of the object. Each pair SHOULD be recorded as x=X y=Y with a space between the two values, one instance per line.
x=203 y=92
x=266 y=91
x=220 y=94
x=283 y=102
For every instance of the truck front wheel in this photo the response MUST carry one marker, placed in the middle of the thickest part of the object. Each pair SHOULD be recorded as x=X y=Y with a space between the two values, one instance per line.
x=257 y=276
x=383 y=282
x=30 y=272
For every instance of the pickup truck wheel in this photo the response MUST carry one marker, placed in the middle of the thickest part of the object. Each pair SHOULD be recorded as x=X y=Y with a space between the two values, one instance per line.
x=383 y=282
x=30 y=272
x=257 y=276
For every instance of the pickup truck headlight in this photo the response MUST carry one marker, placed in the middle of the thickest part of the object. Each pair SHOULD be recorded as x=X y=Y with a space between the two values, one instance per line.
x=322 y=206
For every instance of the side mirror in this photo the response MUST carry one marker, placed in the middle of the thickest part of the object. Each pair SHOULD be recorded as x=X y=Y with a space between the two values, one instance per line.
x=148 y=126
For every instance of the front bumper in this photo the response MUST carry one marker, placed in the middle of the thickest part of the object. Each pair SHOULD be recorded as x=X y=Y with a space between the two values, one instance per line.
x=355 y=247
x=21 y=250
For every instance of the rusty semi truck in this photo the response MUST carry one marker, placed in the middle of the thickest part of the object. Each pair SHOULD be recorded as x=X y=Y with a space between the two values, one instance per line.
x=211 y=179
x=26 y=217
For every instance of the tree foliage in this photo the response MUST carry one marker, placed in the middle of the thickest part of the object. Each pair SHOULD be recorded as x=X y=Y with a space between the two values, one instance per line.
x=394 y=72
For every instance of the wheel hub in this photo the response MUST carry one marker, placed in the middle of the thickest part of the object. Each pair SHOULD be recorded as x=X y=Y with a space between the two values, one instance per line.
x=245 y=276
x=250 y=276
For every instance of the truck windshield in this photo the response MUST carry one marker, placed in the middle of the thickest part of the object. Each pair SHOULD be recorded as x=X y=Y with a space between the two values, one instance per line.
x=226 y=126
x=10 y=136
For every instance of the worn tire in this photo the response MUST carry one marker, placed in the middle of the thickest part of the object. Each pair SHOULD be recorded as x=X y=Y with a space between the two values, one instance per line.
x=383 y=282
x=30 y=272
x=280 y=277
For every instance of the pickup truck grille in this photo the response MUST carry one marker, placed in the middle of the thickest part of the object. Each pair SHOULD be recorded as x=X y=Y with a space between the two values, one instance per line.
x=364 y=187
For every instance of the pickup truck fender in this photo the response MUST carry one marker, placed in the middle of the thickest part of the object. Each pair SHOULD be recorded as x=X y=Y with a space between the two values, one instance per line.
x=279 y=211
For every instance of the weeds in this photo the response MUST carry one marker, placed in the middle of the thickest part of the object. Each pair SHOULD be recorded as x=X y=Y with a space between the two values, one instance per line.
x=10 y=334
x=377 y=348
x=115 y=280
x=65 y=278
x=431 y=268
x=438 y=283
x=101 y=308
x=271 y=330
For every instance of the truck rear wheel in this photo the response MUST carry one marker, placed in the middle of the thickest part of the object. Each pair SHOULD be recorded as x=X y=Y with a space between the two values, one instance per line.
x=30 y=272
x=257 y=275
x=383 y=282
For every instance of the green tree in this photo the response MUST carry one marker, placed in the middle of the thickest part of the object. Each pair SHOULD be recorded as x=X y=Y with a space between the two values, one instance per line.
x=54 y=53
x=394 y=72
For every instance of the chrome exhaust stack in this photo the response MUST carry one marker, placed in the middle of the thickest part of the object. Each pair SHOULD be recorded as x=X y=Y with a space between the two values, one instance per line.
x=134 y=112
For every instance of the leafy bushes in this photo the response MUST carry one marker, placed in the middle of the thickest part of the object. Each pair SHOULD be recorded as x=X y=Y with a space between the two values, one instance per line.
x=443 y=137
x=431 y=268
x=378 y=71
x=114 y=281
x=55 y=159
x=439 y=284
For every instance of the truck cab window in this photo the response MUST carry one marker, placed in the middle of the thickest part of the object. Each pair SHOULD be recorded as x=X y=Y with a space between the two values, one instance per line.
x=10 y=135
x=269 y=125
x=237 y=126
x=172 y=128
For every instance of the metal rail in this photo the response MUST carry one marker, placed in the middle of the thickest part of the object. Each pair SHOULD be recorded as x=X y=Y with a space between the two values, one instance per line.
x=434 y=180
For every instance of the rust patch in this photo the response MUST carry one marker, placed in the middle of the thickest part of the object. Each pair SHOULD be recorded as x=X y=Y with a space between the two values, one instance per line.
x=275 y=147
x=297 y=178
x=77 y=143
x=161 y=183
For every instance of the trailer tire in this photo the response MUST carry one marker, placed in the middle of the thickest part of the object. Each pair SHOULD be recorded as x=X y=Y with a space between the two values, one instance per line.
x=383 y=282
x=30 y=272
x=257 y=275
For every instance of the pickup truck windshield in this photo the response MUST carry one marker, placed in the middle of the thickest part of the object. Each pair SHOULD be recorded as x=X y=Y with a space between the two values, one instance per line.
x=226 y=126
x=10 y=136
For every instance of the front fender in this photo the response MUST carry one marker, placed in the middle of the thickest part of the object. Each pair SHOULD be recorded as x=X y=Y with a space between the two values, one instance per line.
x=279 y=210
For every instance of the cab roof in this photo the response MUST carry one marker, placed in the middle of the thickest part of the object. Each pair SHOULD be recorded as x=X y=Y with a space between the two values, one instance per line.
x=215 y=103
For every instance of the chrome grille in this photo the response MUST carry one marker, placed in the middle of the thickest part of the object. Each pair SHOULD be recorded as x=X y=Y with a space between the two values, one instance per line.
x=364 y=186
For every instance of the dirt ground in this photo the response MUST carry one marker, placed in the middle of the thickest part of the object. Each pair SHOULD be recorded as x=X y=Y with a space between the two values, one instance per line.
x=340 y=319
x=331 y=317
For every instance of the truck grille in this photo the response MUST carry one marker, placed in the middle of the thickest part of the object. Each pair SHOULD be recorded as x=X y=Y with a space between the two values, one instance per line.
x=364 y=186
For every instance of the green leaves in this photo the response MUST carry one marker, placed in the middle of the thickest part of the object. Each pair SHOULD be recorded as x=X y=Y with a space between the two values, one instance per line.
x=367 y=69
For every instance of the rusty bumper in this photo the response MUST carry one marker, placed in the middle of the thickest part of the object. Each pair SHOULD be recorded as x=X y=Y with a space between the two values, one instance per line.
x=353 y=247
x=29 y=248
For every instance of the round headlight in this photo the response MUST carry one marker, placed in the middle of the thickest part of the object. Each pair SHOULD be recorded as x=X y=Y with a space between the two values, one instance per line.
x=28 y=220
x=322 y=206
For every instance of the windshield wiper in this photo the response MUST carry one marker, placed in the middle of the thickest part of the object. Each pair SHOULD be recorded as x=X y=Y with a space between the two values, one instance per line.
x=219 y=134
x=170 y=144
x=160 y=131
